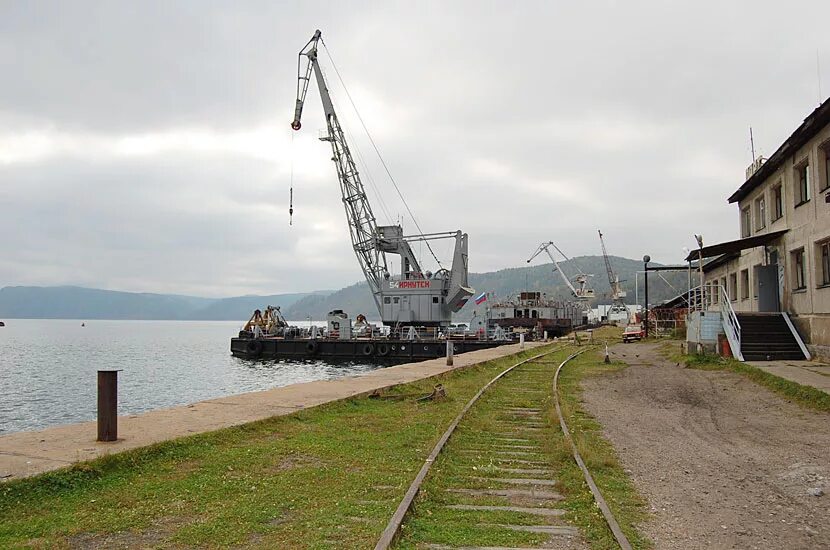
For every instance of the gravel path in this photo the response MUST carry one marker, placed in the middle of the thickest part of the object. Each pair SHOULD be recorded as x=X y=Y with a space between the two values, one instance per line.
x=723 y=462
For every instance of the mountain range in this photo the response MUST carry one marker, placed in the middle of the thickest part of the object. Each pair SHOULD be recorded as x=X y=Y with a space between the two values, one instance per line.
x=71 y=302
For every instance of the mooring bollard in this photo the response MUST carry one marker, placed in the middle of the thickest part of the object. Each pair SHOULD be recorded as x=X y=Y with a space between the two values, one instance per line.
x=607 y=357
x=107 y=405
x=522 y=341
x=449 y=353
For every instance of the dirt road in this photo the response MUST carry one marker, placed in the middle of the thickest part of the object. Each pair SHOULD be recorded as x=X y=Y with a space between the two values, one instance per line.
x=724 y=463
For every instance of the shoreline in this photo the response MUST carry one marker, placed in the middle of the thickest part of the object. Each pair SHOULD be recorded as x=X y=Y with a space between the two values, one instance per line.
x=25 y=454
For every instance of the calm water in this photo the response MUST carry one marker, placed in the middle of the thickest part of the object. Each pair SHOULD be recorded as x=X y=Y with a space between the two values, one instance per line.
x=48 y=368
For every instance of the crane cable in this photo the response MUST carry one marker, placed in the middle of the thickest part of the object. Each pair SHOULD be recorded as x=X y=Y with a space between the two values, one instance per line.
x=377 y=151
x=291 y=187
x=364 y=166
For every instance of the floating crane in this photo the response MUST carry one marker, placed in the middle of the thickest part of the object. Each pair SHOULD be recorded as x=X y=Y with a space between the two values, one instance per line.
x=618 y=311
x=581 y=291
x=416 y=297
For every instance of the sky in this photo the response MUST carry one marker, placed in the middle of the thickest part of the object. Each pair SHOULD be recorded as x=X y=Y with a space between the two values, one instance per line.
x=145 y=146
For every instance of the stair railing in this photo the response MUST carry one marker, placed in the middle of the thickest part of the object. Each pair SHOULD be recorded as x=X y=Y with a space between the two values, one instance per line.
x=797 y=336
x=730 y=323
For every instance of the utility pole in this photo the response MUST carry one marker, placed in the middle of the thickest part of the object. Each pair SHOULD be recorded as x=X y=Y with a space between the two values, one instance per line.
x=646 y=260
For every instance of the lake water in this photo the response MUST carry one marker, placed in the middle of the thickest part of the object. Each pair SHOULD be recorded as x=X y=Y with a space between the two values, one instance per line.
x=48 y=368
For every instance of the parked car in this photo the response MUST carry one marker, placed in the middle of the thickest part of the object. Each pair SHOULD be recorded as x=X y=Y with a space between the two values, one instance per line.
x=632 y=332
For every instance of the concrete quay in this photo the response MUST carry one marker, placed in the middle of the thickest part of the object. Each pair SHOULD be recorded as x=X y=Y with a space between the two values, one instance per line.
x=806 y=373
x=25 y=454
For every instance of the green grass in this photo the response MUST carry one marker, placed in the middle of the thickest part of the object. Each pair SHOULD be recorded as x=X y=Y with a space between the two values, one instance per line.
x=327 y=477
x=806 y=396
x=432 y=522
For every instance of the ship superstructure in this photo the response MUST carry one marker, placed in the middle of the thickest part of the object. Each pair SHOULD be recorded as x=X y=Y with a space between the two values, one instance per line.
x=535 y=311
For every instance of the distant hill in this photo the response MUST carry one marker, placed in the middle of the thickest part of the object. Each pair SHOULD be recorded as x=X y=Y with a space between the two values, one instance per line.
x=70 y=302
x=356 y=298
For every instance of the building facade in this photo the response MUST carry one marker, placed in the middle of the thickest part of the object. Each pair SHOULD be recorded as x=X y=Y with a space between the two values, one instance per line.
x=784 y=204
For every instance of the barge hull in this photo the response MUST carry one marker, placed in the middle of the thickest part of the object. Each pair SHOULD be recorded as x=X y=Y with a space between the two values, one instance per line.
x=392 y=351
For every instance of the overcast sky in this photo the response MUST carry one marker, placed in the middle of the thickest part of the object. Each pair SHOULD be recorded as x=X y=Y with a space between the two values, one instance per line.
x=145 y=146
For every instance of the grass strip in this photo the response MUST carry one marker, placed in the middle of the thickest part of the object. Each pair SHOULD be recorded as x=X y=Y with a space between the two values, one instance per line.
x=806 y=396
x=471 y=463
x=327 y=477
x=627 y=505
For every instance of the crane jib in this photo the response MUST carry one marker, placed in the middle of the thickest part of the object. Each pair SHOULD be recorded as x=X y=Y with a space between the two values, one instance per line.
x=435 y=303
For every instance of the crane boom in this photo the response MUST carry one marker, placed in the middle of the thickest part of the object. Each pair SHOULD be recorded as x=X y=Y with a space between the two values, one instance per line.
x=613 y=280
x=362 y=224
x=581 y=293
x=416 y=297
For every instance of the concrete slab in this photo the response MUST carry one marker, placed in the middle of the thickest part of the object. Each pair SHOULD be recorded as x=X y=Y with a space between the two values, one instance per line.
x=544 y=529
x=524 y=471
x=548 y=512
x=25 y=454
x=520 y=493
x=519 y=481
x=806 y=373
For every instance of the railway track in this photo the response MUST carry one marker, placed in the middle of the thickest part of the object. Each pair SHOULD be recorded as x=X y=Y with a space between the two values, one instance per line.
x=491 y=484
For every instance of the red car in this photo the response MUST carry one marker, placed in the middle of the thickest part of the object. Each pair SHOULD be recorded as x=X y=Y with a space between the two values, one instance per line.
x=632 y=332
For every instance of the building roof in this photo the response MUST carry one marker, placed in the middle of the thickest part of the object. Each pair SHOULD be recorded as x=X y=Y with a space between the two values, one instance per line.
x=734 y=246
x=814 y=122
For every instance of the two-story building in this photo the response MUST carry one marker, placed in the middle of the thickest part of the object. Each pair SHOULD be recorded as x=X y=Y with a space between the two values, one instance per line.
x=782 y=261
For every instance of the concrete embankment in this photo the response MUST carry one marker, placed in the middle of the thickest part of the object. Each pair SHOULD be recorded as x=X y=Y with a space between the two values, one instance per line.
x=29 y=453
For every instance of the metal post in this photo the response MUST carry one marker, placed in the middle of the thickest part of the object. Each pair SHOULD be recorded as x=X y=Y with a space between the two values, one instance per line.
x=636 y=288
x=449 y=353
x=646 y=260
x=107 y=405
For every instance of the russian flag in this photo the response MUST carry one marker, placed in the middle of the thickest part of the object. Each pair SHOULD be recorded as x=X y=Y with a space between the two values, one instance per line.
x=481 y=298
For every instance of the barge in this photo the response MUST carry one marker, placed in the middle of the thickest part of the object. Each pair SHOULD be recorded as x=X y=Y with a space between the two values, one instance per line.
x=534 y=313
x=268 y=336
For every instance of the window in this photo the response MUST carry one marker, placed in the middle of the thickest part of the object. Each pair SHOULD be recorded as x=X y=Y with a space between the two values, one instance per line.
x=798 y=269
x=823 y=258
x=745 y=284
x=825 y=183
x=745 y=224
x=387 y=300
x=396 y=300
x=802 y=184
x=435 y=299
x=777 y=202
x=733 y=286
x=760 y=213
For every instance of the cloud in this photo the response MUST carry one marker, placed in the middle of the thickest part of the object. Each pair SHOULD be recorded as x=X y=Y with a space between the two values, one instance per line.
x=147 y=148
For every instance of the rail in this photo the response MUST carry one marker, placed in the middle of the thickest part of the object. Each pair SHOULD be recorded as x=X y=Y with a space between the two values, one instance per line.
x=391 y=531
x=731 y=325
x=598 y=498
